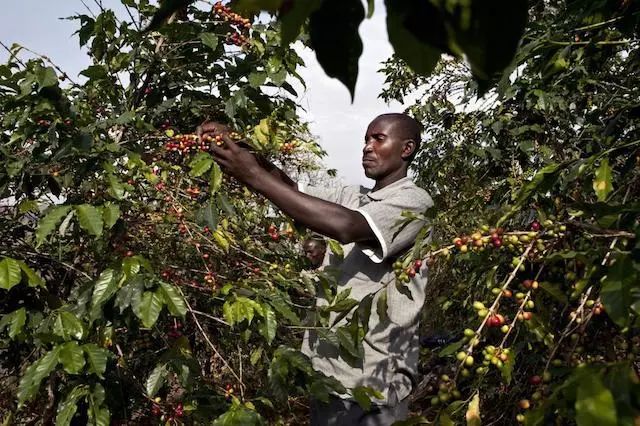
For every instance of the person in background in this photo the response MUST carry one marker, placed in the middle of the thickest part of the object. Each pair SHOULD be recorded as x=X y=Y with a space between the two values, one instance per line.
x=314 y=248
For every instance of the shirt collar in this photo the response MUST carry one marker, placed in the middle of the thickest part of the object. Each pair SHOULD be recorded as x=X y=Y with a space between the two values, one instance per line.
x=389 y=189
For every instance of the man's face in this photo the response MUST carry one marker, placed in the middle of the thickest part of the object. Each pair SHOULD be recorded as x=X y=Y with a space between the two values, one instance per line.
x=314 y=251
x=383 y=150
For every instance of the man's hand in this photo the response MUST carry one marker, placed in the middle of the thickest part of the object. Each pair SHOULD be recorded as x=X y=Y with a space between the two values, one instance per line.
x=330 y=219
x=237 y=161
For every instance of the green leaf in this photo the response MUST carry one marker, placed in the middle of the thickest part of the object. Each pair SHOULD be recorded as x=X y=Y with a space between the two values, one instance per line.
x=72 y=357
x=110 y=214
x=336 y=248
x=488 y=34
x=333 y=34
x=15 y=320
x=34 y=374
x=33 y=278
x=451 y=349
x=90 y=219
x=223 y=202
x=257 y=79
x=293 y=19
x=97 y=358
x=200 y=164
x=363 y=395
x=156 y=380
x=256 y=355
x=46 y=77
x=540 y=182
x=116 y=188
x=268 y=325
x=594 y=403
x=616 y=290
x=130 y=294
x=49 y=222
x=150 y=307
x=238 y=415
x=210 y=40
x=67 y=408
x=68 y=326
x=381 y=306
x=421 y=57
x=216 y=179
x=9 y=273
x=104 y=287
x=602 y=180
x=241 y=309
x=370 y=8
x=285 y=311
x=173 y=299
x=166 y=9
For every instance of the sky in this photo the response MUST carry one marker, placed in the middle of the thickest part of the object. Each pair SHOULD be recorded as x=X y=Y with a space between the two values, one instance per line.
x=338 y=124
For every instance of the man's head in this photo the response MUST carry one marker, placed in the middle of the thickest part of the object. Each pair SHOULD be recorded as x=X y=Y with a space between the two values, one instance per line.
x=314 y=250
x=391 y=142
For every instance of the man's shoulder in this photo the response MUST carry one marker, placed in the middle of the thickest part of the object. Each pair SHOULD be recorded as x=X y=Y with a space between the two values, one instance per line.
x=409 y=191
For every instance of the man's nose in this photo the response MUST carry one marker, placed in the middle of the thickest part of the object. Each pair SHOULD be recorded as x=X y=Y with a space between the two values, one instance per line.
x=368 y=147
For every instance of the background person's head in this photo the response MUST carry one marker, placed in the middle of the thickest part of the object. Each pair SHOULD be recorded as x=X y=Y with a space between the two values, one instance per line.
x=314 y=249
x=391 y=142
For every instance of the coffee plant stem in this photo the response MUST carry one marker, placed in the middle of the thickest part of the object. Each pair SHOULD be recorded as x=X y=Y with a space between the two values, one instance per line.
x=211 y=345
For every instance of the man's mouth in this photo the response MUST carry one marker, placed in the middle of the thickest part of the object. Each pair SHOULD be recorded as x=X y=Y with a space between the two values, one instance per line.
x=366 y=160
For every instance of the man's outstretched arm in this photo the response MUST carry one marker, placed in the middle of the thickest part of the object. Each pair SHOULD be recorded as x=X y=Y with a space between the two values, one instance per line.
x=330 y=219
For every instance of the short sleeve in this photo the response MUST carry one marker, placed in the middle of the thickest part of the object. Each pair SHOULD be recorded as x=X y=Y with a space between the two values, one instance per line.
x=383 y=217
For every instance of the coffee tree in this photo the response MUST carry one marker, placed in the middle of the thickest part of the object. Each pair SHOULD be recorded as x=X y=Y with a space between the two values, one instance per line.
x=536 y=186
x=138 y=284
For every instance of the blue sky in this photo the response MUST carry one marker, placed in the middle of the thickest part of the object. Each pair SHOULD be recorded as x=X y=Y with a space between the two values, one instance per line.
x=338 y=124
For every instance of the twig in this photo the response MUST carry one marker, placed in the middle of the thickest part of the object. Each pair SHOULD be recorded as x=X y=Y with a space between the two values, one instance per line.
x=211 y=345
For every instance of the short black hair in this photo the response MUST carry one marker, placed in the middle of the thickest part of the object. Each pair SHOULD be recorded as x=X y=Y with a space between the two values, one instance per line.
x=408 y=127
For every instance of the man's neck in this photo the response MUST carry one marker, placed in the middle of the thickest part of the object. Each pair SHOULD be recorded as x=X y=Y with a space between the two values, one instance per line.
x=389 y=179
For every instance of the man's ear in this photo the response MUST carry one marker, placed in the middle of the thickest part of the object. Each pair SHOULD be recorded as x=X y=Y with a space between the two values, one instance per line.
x=408 y=149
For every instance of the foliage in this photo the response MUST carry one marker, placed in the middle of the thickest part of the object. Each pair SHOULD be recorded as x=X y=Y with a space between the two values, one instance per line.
x=485 y=34
x=136 y=281
x=550 y=159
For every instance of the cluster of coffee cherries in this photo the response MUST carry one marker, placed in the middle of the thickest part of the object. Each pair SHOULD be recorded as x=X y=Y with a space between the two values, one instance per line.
x=273 y=232
x=234 y=19
x=231 y=17
x=288 y=147
x=447 y=391
x=228 y=392
x=167 y=413
x=236 y=39
x=596 y=308
x=497 y=238
x=405 y=274
x=185 y=144
x=43 y=123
